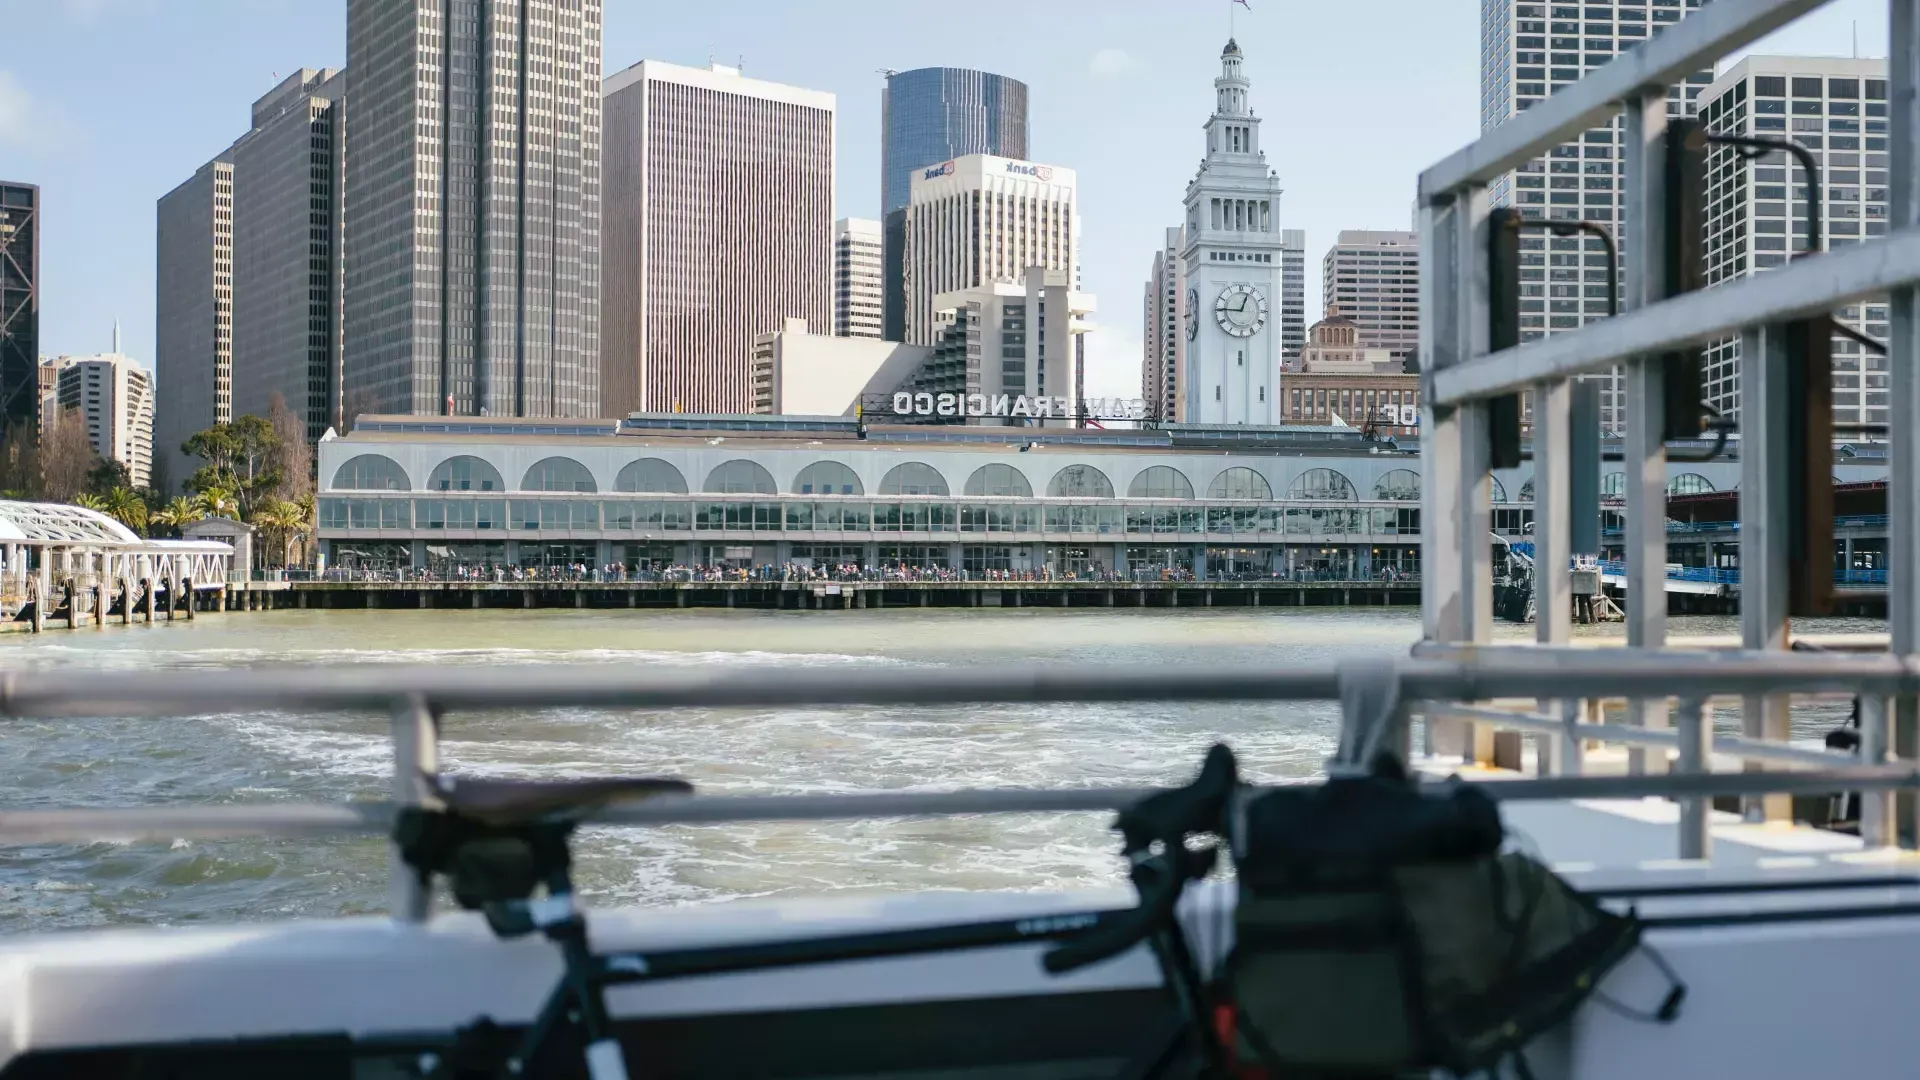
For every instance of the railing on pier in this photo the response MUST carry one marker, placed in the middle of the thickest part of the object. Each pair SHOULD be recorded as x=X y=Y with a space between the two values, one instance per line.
x=1469 y=380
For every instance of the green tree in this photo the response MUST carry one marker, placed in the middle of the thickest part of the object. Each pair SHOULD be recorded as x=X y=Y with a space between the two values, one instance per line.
x=129 y=506
x=177 y=512
x=239 y=459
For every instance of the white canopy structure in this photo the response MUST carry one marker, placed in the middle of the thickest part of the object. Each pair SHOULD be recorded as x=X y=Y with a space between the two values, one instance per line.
x=45 y=545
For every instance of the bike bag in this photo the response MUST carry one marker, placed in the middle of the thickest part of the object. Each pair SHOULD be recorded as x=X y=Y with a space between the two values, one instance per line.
x=1381 y=929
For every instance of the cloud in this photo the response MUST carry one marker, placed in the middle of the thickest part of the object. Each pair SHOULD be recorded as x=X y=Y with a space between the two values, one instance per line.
x=1110 y=62
x=16 y=112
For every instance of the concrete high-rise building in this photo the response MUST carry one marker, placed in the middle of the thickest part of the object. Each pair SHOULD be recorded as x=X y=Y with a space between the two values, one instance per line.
x=113 y=397
x=1235 y=261
x=1293 y=292
x=473 y=207
x=927 y=116
x=980 y=219
x=1757 y=214
x=1163 y=333
x=288 y=189
x=1528 y=50
x=19 y=306
x=856 y=278
x=719 y=228
x=1373 y=279
x=193 y=315
x=997 y=342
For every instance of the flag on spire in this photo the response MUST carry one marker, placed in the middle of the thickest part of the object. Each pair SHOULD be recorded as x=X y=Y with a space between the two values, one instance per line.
x=1244 y=4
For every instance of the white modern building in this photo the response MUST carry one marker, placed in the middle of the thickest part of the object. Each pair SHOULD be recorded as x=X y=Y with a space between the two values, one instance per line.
x=718 y=228
x=805 y=374
x=857 y=290
x=113 y=397
x=1023 y=339
x=1163 y=337
x=1528 y=50
x=1756 y=218
x=1372 y=277
x=978 y=220
x=1234 y=257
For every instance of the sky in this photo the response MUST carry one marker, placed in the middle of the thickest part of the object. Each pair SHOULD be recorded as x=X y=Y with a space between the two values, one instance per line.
x=108 y=104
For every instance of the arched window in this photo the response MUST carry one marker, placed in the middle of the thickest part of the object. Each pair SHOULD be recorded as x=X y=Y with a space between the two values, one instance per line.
x=651 y=475
x=827 y=478
x=1160 y=482
x=1321 y=484
x=371 y=472
x=1526 y=492
x=740 y=477
x=465 y=473
x=1240 y=482
x=913 y=478
x=1398 y=485
x=998 y=480
x=558 y=474
x=1689 y=484
x=1080 y=482
x=1614 y=483
x=1499 y=489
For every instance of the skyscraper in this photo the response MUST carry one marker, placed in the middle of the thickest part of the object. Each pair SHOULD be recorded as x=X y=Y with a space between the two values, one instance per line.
x=719 y=228
x=193 y=315
x=287 y=220
x=19 y=306
x=856 y=278
x=1293 y=293
x=1757 y=212
x=1162 y=316
x=1528 y=50
x=1373 y=278
x=1236 y=258
x=978 y=220
x=473 y=207
x=112 y=397
x=927 y=116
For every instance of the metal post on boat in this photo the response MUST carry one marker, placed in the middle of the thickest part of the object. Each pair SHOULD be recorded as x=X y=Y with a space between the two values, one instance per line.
x=1903 y=413
x=1763 y=536
x=1696 y=757
x=1644 y=541
x=1876 y=807
x=416 y=756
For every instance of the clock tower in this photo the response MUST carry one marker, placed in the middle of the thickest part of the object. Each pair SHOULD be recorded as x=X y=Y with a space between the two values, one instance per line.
x=1234 y=261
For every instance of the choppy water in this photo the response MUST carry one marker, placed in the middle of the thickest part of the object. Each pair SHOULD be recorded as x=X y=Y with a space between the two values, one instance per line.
x=242 y=757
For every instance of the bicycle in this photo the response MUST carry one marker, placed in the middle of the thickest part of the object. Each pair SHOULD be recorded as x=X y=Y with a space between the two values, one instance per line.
x=498 y=841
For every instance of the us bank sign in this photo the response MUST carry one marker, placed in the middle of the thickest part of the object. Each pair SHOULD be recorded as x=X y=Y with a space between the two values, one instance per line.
x=982 y=405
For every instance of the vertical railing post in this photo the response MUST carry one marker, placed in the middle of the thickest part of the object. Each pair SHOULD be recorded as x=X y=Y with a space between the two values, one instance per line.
x=1644 y=542
x=1876 y=806
x=1763 y=537
x=1903 y=413
x=1695 y=728
x=1441 y=217
x=1552 y=547
x=1472 y=447
x=416 y=756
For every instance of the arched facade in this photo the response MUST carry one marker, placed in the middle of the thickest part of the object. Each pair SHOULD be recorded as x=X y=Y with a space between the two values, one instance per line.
x=993 y=480
x=913 y=478
x=371 y=472
x=1689 y=484
x=1398 y=485
x=827 y=478
x=1080 y=482
x=740 y=477
x=1160 y=482
x=1325 y=484
x=651 y=475
x=1240 y=482
x=1613 y=483
x=558 y=474
x=465 y=473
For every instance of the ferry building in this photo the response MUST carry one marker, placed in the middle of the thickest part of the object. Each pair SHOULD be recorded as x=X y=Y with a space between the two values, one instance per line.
x=676 y=489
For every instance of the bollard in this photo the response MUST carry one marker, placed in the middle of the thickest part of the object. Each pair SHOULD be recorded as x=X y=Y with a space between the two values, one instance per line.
x=73 y=604
x=147 y=601
x=186 y=589
x=99 y=605
x=126 y=602
x=39 y=622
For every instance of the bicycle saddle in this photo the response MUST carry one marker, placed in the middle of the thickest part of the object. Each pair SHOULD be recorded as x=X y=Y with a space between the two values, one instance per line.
x=528 y=802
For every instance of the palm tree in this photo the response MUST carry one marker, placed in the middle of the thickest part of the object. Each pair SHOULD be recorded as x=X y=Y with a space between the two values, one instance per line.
x=90 y=501
x=127 y=505
x=179 y=511
x=218 y=502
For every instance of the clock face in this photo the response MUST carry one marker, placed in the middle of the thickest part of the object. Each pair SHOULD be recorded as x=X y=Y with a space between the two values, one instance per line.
x=1241 y=310
x=1193 y=314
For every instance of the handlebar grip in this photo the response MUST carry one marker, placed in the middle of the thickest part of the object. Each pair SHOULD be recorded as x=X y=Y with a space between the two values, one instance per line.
x=1116 y=935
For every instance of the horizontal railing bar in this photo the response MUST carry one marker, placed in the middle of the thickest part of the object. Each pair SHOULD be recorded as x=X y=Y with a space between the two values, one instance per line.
x=1692 y=44
x=309 y=820
x=1628 y=735
x=1807 y=286
x=1538 y=673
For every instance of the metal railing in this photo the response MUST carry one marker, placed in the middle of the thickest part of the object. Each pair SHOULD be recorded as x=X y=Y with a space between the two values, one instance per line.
x=1463 y=374
x=1379 y=699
